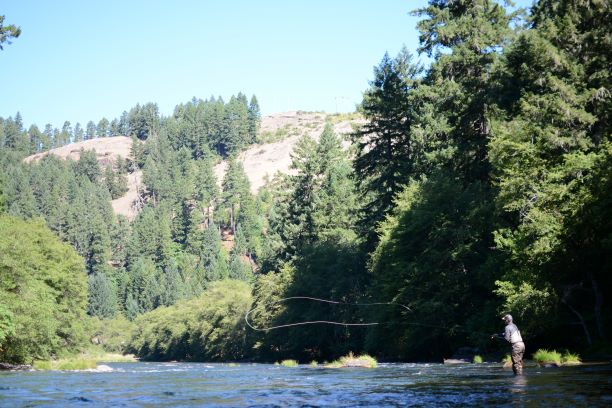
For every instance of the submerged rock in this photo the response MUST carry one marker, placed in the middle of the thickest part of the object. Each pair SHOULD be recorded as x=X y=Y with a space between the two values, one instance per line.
x=15 y=367
x=456 y=361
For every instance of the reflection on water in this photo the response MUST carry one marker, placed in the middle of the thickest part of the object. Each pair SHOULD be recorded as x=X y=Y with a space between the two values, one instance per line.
x=519 y=384
x=193 y=384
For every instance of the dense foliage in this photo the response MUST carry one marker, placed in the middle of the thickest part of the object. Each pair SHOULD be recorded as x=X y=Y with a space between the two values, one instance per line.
x=210 y=327
x=479 y=185
x=42 y=293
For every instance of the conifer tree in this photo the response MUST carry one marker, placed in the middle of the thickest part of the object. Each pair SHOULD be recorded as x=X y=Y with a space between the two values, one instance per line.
x=66 y=134
x=36 y=139
x=102 y=296
x=48 y=142
x=212 y=256
x=236 y=187
x=551 y=138
x=254 y=119
x=78 y=132
x=7 y=32
x=103 y=128
x=387 y=148
x=90 y=131
x=447 y=202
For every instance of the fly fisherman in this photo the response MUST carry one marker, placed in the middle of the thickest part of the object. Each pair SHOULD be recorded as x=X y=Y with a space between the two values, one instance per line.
x=513 y=336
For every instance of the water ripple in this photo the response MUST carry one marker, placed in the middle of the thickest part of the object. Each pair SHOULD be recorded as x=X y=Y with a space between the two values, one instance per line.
x=261 y=385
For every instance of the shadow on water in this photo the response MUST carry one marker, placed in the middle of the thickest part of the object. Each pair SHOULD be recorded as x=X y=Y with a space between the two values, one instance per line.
x=200 y=384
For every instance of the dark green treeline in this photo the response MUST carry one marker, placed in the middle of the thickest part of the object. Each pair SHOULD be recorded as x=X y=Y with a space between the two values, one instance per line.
x=480 y=185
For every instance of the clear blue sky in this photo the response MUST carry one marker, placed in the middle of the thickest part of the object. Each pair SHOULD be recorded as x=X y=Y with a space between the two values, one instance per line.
x=83 y=60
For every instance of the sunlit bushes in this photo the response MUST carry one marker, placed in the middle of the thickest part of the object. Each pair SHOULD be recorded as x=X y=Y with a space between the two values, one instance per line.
x=543 y=357
x=210 y=327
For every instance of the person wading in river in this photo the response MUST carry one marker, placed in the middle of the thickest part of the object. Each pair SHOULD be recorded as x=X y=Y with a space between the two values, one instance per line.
x=513 y=336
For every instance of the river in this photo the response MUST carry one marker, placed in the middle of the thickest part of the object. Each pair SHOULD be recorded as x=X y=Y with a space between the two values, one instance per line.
x=265 y=385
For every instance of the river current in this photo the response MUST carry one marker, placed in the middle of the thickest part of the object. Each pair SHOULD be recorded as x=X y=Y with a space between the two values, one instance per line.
x=264 y=385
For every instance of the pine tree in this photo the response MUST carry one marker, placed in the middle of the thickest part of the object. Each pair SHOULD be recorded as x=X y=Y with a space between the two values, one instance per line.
x=236 y=124
x=102 y=296
x=254 y=119
x=549 y=143
x=103 y=128
x=78 y=132
x=387 y=147
x=236 y=187
x=207 y=190
x=212 y=257
x=36 y=139
x=66 y=134
x=438 y=243
x=8 y=32
x=88 y=165
x=90 y=131
x=48 y=142
x=114 y=129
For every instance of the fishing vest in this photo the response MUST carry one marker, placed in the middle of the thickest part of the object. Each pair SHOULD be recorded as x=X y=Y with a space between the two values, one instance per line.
x=512 y=334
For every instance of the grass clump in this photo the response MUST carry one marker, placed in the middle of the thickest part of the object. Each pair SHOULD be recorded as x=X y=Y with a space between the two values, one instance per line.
x=570 y=358
x=289 y=363
x=42 y=365
x=101 y=356
x=507 y=360
x=543 y=356
x=478 y=359
x=314 y=363
x=351 y=360
x=66 y=364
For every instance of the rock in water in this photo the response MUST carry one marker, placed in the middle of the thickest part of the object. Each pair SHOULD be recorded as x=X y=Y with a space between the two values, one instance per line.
x=15 y=367
x=456 y=361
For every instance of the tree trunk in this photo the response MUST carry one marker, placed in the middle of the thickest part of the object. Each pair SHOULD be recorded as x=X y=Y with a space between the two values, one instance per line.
x=598 y=305
x=232 y=226
x=582 y=322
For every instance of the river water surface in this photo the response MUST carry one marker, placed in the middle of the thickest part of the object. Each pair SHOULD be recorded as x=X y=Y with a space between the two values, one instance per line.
x=201 y=384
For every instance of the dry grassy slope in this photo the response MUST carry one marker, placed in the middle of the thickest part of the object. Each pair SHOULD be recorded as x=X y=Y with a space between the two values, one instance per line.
x=107 y=151
x=263 y=161
x=260 y=161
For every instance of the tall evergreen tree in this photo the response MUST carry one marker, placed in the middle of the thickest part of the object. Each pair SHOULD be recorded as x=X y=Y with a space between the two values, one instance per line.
x=447 y=271
x=550 y=142
x=387 y=146
x=103 y=128
x=102 y=296
x=90 y=131
x=78 y=133
x=254 y=119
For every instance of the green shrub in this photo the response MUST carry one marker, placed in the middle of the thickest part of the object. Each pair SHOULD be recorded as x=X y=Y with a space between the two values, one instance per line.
x=570 y=359
x=43 y=293
x=289 y=363
x=478 y=359
x=113 y=335
x=507 y=360
x=313 y=363
x=543 y=356
x=210 y=327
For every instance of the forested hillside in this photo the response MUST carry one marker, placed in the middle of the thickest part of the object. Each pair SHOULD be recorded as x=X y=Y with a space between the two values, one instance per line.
x=477 y=185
